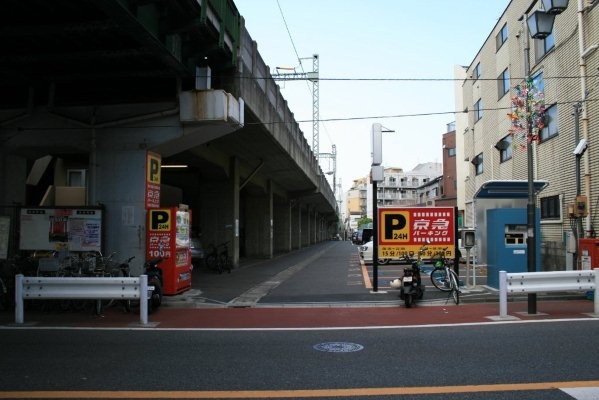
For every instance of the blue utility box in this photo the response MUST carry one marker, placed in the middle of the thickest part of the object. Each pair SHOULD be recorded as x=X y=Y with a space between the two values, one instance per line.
x=506 y=242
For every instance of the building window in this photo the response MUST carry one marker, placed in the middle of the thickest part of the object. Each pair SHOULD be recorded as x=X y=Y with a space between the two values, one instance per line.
x=543 y=46
x=501 y=37
x=478 y=110
x=505 y=148
x=550 y=129
x=476 y=73
x=551 y=207
x=538 y=82
x=503 y=83
x=478 y=164
x=451 y=152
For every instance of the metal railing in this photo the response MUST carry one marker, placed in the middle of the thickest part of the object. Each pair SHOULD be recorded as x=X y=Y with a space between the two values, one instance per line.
x=550 y=281
x=90 y=288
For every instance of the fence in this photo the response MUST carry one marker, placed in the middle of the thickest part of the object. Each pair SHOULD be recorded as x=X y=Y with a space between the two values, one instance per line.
x=91 y=288
x=551 y=281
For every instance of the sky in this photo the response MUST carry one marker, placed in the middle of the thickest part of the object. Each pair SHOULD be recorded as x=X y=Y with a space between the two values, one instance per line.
x=381 y=61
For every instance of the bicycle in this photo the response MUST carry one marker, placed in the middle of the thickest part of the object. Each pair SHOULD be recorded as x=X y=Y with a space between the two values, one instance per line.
x=4 y=293
x=219 y=260
x=445 y=278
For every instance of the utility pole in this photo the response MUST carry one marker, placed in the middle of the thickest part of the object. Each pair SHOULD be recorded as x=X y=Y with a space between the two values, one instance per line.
x=311 y=76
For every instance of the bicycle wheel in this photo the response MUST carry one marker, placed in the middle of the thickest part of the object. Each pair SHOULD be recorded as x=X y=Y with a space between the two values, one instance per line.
x=4 y=296
x=455 y=287
x=211 y=261
x=439 y=279
x=156 y=298
x=224 y=263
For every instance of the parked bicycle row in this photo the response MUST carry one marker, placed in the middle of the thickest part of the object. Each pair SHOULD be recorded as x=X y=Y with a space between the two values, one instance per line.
x=81 y=264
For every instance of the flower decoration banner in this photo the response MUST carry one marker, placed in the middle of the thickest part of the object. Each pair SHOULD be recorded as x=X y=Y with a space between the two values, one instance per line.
x=528 y=107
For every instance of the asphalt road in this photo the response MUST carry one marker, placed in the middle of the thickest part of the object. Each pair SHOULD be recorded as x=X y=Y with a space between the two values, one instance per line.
x=329 y=272
x=505 y=361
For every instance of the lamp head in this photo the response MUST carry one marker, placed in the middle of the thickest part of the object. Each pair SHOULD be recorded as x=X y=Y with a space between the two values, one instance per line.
x=555 y=7
x=540 y=24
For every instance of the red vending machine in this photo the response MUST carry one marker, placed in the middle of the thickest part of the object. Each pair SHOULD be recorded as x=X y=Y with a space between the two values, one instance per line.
x=168 y=236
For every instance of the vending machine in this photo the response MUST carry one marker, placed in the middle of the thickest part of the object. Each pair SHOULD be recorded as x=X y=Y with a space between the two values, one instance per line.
x=168 y=236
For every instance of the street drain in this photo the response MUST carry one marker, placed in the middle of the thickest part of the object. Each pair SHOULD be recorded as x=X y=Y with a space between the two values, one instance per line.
x=338 y=347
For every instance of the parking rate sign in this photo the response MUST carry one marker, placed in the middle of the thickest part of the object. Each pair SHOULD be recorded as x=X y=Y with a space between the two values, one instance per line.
x=402 y=231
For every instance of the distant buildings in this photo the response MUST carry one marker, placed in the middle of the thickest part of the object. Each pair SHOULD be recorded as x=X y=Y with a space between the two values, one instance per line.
x=420 y=186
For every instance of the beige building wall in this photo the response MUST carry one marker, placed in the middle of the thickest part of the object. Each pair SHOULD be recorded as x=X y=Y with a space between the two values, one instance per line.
x=565 y=86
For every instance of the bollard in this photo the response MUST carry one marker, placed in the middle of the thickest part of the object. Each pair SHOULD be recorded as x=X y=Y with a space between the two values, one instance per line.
x=143 y=299
x=502 y=294
x=595 y=297
x=19 y=314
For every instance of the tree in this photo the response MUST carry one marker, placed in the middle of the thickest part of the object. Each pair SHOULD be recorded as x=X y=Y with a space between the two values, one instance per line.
x=364 y=220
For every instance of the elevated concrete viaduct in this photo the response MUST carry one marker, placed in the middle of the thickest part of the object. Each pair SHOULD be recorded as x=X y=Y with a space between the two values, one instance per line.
x=91 y=86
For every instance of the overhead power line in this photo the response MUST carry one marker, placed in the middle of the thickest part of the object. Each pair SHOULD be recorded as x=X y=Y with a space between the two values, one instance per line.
x=300 y=78
x=414 y=115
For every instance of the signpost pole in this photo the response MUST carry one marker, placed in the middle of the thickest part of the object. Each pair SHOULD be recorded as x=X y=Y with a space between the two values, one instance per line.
x=375 y=239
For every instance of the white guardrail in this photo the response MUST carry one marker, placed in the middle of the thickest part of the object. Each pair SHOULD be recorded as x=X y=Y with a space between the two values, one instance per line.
x=550 y=281
x=92 y=288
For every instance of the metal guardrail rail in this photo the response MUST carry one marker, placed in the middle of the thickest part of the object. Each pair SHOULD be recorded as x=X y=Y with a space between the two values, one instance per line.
x=550 y=281
x=92 y=288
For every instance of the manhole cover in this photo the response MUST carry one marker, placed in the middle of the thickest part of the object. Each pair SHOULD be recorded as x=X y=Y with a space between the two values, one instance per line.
x=338 y=347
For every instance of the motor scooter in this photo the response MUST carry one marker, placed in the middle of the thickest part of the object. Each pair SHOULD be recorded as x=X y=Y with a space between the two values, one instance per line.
x=410 y=284
x=154 y=272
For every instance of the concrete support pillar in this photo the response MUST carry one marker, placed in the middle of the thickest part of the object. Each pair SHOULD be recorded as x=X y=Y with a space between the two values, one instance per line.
x=306 y=227
x=13 y=172
x=235 y=180
x=259 y=226
x=282 y=228
x=295 y=226
x=269 y=248
x=120 y=187
x=219 y=212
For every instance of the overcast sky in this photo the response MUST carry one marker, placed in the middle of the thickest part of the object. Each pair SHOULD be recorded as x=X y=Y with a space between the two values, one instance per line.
x=411 y=46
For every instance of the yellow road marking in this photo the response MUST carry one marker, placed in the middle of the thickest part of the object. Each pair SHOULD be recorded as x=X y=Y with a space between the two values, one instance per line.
x=313 y=393
x=367 y=282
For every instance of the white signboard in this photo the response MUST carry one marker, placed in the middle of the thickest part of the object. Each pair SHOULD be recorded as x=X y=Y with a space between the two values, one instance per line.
x=61 y=229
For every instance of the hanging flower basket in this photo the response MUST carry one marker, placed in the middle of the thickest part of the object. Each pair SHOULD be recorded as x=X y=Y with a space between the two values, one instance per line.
x=528 y=107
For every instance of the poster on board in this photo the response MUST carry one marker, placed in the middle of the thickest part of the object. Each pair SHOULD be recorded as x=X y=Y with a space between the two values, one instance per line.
x=61 y=229
x=4 y=236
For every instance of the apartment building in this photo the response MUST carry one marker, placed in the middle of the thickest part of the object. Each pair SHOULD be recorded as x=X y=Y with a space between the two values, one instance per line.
x=355 y=202
x=448 y=181
x=565 y=68
x=399 y=188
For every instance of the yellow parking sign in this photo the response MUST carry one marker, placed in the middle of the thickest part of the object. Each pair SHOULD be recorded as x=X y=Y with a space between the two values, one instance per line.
x=394 y=226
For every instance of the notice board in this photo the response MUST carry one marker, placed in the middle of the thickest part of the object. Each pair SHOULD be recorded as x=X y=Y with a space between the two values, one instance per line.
x=61 y=229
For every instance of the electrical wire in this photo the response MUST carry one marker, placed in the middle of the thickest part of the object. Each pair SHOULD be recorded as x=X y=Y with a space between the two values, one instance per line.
x=416 y=79
x=370 y=117
x=290 y=37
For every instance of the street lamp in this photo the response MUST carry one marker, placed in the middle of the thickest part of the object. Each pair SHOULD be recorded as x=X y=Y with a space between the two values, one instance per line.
x=555 y=6
x=540 y=25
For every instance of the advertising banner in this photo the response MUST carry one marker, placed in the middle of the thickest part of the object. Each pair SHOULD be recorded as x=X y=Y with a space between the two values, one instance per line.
x=403 y=231
x=153 y=163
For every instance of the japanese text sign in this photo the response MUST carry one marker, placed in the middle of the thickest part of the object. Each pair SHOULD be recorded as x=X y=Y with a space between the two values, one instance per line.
x=403 y=231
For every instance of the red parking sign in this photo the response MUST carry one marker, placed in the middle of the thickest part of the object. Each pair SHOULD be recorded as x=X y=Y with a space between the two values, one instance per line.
x=404 y=230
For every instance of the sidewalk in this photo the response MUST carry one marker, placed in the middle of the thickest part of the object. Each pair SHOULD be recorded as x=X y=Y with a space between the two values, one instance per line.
x=319 y=286
x=307 y=317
